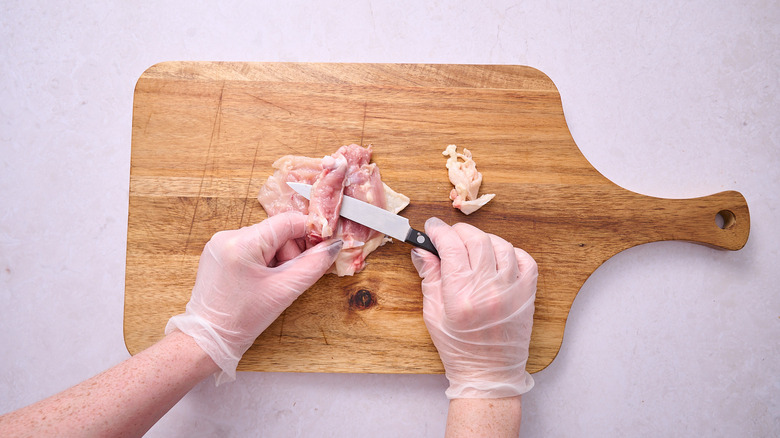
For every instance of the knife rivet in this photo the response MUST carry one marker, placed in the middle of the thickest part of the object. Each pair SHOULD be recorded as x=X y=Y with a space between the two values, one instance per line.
x=420 y=238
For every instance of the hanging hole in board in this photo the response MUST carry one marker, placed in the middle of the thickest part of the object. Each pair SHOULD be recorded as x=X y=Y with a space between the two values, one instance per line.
x=725 y=219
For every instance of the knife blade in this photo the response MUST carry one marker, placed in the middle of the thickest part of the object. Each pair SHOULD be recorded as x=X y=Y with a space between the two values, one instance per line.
x=376 y=218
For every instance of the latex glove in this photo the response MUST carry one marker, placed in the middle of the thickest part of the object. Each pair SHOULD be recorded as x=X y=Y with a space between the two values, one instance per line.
x=478 y=305
x=242 y=286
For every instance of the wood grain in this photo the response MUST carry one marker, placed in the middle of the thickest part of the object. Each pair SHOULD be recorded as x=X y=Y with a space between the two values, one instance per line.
x=204 y=136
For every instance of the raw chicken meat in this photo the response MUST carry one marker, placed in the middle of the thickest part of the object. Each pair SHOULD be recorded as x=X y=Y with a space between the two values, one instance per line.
x=466 y=179
x=347 y=172
x=326 y=195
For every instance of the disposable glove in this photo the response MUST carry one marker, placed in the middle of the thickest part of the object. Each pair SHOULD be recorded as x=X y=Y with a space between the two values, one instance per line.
x=245 y=282
x=478 y=305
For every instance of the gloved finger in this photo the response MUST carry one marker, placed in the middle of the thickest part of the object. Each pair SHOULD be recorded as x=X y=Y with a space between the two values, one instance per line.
x=428 y=265
x=276 y=231
x=429 y=268
x=529 y=271
x=452 y=252
x=526 y=264
x=288 y=251
x=506 y=260
x=479 y=247
x=311 y=264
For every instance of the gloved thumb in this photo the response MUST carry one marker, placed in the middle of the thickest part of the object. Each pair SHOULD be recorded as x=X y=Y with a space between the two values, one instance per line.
x=312 y=264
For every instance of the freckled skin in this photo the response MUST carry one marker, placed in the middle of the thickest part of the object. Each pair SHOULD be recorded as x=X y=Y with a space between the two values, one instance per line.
x=124 y=401
x=484 y=417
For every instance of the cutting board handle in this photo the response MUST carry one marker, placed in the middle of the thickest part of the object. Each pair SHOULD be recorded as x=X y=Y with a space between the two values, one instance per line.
x=721 y=220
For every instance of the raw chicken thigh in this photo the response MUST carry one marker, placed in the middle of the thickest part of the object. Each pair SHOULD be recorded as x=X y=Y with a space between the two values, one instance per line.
x=347 y=172
x=466 y=179
x=325 y=203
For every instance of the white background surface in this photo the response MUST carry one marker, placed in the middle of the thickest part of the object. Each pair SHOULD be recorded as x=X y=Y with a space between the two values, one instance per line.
x=664 y=98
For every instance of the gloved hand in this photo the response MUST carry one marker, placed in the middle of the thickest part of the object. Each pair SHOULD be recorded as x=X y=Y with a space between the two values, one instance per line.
x=244 y=283
x=478 y=305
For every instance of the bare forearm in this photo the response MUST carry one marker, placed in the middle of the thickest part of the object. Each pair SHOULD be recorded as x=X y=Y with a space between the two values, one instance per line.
x=125 y=400
x=484 y=417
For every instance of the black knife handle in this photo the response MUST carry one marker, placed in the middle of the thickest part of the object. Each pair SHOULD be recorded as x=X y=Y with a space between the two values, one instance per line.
x=421 y=240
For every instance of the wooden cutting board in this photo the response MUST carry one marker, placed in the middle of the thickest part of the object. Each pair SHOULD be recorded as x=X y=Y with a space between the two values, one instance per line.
x=204 y=137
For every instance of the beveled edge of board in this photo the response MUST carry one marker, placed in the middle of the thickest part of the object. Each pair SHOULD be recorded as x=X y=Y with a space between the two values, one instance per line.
x=485 y=76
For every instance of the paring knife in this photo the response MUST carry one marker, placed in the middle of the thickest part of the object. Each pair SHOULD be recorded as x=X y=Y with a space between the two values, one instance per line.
x=376 y=218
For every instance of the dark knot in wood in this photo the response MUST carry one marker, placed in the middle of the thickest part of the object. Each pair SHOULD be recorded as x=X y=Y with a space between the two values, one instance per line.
x=362 y=300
